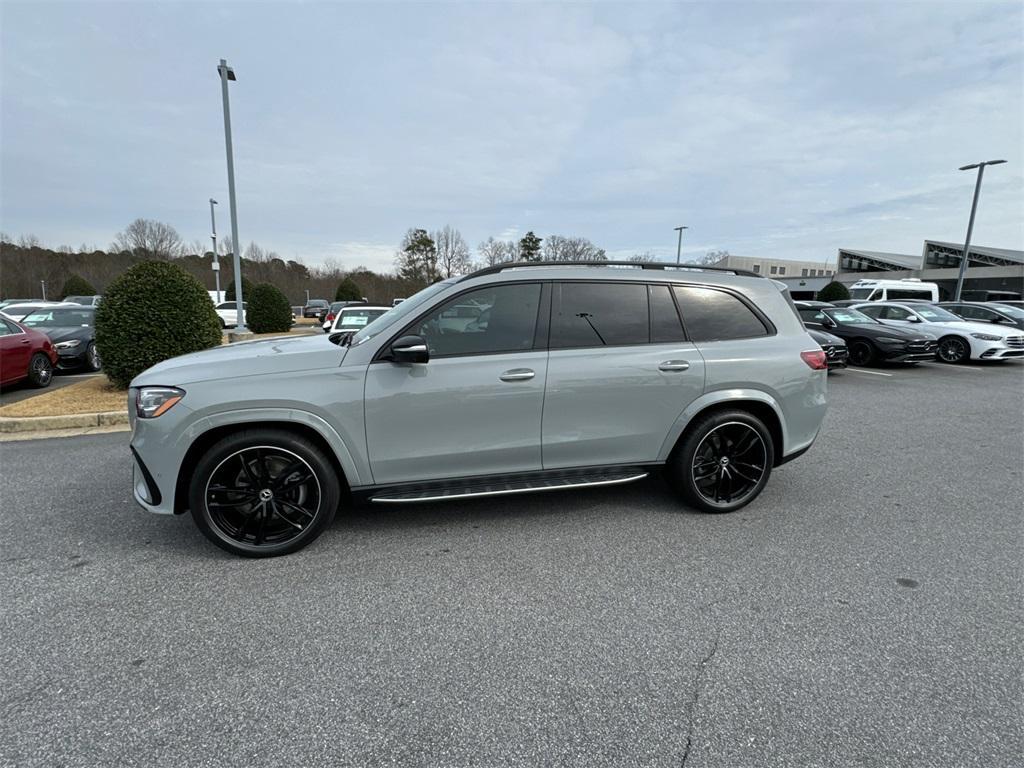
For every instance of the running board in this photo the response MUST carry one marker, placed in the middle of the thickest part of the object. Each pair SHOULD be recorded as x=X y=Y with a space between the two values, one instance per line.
x=470 y=487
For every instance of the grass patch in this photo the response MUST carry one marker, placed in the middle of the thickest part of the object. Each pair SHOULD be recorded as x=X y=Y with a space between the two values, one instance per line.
x=96 y=395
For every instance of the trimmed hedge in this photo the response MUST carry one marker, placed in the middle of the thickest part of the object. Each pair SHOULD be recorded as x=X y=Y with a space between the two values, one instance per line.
x=76 y=285
x=834 y=291
x=229 y=294
x=347 y=291
x=268 y=310
x=152 y=312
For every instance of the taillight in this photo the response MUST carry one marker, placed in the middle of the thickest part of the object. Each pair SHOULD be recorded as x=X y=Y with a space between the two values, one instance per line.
x=815 y=359
x=330 y=318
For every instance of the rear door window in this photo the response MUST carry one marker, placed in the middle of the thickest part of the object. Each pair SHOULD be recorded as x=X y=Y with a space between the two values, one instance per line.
x=713 y=315
x=665 y=324
x=599 y=314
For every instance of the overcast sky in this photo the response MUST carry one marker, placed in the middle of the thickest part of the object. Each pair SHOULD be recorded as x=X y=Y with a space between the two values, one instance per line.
x=776 y=130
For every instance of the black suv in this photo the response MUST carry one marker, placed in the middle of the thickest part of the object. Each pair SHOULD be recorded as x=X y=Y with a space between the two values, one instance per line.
x=315 y=308
x=869 y=340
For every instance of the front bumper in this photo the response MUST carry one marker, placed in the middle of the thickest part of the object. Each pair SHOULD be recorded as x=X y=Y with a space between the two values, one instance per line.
x=68 y=359
x=1000 y=353
x=914 y=352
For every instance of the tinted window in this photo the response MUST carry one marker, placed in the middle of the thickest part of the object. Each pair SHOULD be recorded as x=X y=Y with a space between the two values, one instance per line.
x=6 y=328
x=504 y=321
x=811 y=315
x=875 y=312
x=665 y=324
x=599 y=314
x=902 y=293
x=712 y=315
x=892 y=313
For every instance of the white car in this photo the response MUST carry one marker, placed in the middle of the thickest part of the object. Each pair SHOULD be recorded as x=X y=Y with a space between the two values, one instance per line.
x=352 y=318
x=959 y=339
x=227 y=311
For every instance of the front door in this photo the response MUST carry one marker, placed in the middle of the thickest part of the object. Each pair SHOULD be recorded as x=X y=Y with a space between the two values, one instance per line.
x=15 y=351
x=620 y=373
x=475 y=407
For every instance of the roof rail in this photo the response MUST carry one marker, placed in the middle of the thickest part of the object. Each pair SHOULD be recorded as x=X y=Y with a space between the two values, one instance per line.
x=660 y=265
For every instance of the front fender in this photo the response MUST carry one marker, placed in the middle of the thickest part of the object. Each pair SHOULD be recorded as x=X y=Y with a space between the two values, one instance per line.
x=356 y=472
x=719 y=397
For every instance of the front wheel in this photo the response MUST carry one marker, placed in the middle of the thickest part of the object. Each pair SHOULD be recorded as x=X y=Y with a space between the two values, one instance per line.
x=862 y=353
x=723 y=462
x=953 y=349
x=40 y=371
x=264 y=492
x=92 y=357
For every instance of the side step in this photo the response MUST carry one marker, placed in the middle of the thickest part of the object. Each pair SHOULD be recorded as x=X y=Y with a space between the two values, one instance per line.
x=500 y=486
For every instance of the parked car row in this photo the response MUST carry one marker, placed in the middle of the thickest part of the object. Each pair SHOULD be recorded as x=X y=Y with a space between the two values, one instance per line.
x=36 y=339
x=915 y=331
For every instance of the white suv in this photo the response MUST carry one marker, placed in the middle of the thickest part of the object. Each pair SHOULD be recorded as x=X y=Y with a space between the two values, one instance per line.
x=959 y=339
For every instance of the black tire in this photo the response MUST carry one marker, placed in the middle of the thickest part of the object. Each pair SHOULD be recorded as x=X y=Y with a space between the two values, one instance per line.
x=223 y=325
x=862 y=353
x=40 y=371
x=953 y=349
x=92 y=357
x=733 y=450
x=247 y=498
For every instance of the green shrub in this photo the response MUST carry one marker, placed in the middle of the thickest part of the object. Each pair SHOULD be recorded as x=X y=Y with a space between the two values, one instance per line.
x=834 y=291
x=347 y=291
x=268 y=310
x=229 y=294
x=76 y=285
x=154 y=311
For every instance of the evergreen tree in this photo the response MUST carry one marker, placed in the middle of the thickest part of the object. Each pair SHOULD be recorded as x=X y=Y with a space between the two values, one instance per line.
x=529 y=247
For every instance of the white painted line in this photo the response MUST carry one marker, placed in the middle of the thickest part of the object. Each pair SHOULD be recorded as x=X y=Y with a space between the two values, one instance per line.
x=873 y=373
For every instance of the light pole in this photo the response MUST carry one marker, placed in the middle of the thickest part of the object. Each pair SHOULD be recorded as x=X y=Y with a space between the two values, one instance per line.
x=679 y=247
x=43 y=283
x=216 y=262
x=227 y=73
x=970 y=221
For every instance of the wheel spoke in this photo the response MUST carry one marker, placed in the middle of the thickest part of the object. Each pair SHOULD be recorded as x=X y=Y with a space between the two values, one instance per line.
x=261 y=532
x=229 y=504
x=297 y=508
x=276 y=511
x=285 y=473
x=248 y=471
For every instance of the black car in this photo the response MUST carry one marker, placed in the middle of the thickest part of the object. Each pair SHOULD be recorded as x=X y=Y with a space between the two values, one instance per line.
x=834 y=347
x=73 y=333
x=315 y=308
x=986 y=312
x=869 y=340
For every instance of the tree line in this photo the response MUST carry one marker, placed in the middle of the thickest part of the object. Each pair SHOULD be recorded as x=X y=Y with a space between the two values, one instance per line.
x=422 y=258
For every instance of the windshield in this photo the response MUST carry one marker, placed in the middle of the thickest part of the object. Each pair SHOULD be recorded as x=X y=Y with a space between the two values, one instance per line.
x=402 y=310
x=60 y=318
x=1006 y=309
x=937 y=315
x=351 y=319
x=849 y=316
x=860 y=293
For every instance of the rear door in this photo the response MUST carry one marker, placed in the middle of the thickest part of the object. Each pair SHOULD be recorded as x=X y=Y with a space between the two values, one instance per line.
x=620 y=372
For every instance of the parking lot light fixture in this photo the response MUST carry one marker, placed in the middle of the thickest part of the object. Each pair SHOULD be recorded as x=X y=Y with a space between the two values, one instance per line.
x=227 y=73
x=216 y=261
x=970 y=222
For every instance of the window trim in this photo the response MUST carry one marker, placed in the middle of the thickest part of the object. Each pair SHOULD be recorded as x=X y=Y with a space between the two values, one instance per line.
x=382 y=355
x=679 y=316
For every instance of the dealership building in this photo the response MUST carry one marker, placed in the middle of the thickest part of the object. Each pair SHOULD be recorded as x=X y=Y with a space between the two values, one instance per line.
x=988 y=269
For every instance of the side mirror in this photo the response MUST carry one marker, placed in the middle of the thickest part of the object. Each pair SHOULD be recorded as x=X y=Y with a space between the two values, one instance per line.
x=340 y=337
x=410 y=349
x=828 y=322
x=913 y=319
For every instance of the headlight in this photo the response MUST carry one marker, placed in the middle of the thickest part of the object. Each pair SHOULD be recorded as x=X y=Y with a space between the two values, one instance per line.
x=987 y=337
x=67 y=344
x=154 y=401
x=891 y=340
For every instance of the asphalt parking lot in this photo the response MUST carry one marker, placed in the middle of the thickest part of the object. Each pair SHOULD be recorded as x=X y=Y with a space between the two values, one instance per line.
x=866 y=611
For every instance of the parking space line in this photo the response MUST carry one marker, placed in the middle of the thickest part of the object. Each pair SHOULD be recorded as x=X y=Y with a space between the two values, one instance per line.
x=872 y=373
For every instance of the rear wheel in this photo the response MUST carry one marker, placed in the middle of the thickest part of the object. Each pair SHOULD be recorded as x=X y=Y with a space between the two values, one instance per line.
x=40 y=370
x=953 y=349
x=862 y=353
x=263 y=492
x=723 y=462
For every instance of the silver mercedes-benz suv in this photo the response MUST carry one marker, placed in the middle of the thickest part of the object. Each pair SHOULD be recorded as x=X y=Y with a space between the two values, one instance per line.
x=516 y=378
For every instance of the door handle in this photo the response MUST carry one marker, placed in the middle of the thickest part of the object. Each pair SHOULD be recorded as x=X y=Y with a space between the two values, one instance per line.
x=517 y=374
x=25 y=341
x=674 y=365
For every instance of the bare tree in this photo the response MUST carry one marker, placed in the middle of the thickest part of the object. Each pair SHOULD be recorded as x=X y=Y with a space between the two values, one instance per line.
x=149 y=239
x=558 y=248
x=452 y=252
x=643 y=257
x=491 y=252
x=709 y=258
x=29 y=241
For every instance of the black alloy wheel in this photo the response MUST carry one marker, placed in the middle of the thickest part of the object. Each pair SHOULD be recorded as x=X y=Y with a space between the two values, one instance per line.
x=40 y=370
x=862 y=353
x=262 y=493
x=953 y=349
x=724 y=461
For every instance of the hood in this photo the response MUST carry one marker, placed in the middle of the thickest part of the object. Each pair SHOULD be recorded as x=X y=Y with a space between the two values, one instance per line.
x=82 y=332
x=823 y=337
x=247 y=358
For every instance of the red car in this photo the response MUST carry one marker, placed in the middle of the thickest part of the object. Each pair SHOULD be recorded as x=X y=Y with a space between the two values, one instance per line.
x=25 y=353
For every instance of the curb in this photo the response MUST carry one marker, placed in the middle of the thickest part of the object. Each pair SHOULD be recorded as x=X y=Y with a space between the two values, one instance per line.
x=71 y=421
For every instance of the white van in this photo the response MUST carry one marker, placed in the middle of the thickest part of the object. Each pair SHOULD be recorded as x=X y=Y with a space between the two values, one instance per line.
x=894 y=290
